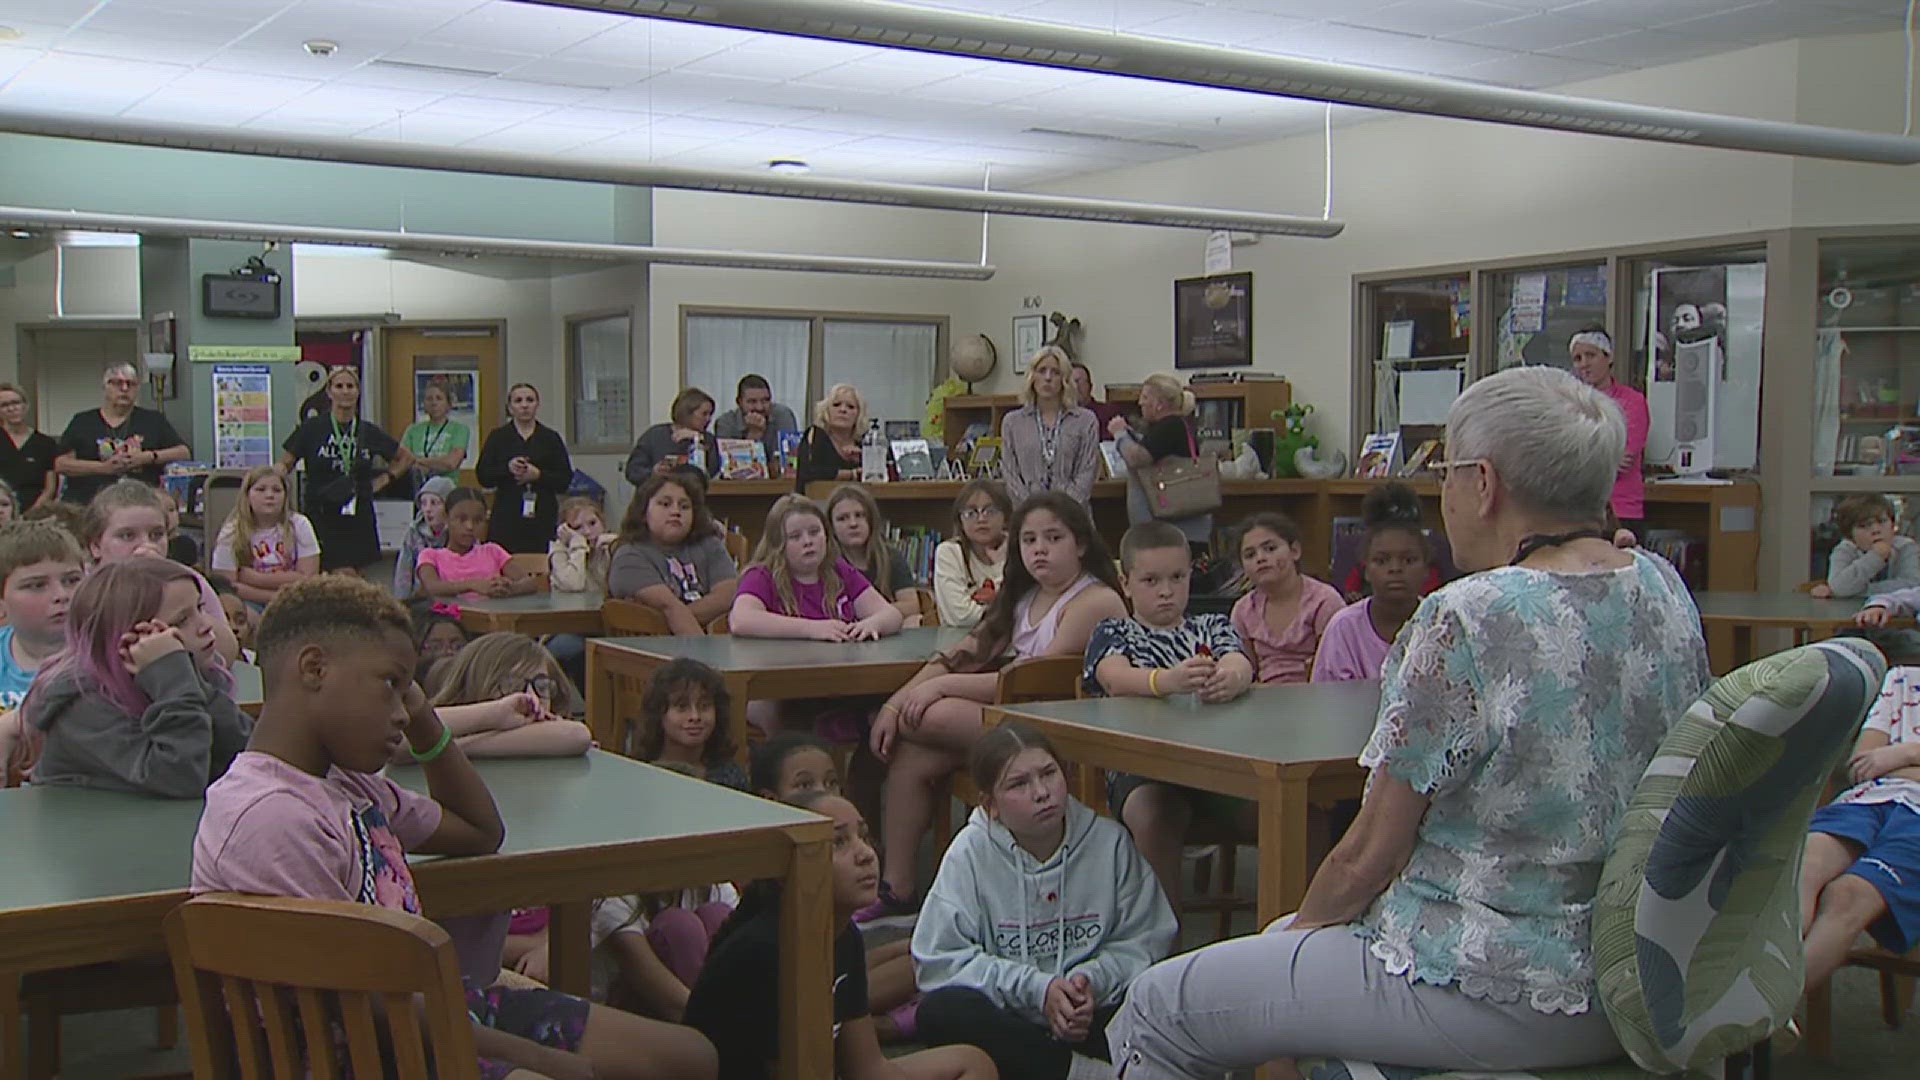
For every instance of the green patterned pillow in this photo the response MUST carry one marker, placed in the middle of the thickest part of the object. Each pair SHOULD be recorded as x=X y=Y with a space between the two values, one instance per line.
x=1332 y=1069
x=1696 y=928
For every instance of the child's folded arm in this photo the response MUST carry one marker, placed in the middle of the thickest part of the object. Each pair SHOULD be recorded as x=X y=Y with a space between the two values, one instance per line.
x=176 y=731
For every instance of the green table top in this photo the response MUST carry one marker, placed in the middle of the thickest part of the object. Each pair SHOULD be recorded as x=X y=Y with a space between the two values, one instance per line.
x=246 y=685
x=64 y=845
x=729 y=652
x=1287 y=724
x=1776 y=607
x=536 y=603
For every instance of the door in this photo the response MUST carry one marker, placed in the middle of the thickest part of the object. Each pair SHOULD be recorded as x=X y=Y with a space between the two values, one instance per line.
x=466 y=360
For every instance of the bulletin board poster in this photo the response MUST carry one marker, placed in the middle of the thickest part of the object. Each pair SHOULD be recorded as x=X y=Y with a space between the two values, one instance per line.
x=462 y=388
x=242 y=415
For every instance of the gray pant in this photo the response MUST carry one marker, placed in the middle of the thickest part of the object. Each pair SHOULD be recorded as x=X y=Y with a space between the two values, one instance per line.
x=1319 y=993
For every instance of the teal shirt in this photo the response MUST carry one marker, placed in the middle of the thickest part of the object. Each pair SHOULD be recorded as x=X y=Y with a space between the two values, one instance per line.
x=427 y=439
x=14 y=680
x=1525 y=705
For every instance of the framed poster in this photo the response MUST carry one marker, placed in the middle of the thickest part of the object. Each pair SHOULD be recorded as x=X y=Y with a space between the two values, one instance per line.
x=1213 y=321
x=242 y=415
x=1029 y=334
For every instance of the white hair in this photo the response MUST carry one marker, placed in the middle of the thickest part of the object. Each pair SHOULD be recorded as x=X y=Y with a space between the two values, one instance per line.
x=1555 y=442
x=114 y=367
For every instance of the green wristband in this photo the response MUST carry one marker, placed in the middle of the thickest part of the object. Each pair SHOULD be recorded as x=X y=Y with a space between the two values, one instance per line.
x=446 y=736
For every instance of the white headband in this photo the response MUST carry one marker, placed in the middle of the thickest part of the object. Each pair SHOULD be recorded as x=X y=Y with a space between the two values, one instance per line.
x=1596 y=338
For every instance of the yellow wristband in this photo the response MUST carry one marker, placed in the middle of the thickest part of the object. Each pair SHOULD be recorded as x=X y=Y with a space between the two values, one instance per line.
x=1153 y=682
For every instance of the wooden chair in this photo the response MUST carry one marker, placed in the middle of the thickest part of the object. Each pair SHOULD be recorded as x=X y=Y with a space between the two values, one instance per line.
x=737 y=547
x=530 y=563
x=1897 y=974
x=1037 y=678
x=631 y=618
x=720 y=624
x=260 y=977
x=929 y=611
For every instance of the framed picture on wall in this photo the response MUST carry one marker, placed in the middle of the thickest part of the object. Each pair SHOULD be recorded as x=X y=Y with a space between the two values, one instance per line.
x=1029 y=334
x=1213 y=321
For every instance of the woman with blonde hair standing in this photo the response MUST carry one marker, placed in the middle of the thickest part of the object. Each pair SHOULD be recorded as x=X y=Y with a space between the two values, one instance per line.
x=1166 y=415
x=831 y=448
x=1050 y=443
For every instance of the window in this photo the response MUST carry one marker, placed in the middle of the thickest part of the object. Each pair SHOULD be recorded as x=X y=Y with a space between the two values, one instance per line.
x=893 y=359
x=600 y=374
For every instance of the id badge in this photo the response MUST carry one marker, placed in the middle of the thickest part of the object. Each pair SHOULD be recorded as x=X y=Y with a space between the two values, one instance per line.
x=352 y=509
x=527 y=503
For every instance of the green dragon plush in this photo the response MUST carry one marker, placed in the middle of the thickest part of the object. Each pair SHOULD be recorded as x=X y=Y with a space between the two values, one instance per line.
x=1292 y=440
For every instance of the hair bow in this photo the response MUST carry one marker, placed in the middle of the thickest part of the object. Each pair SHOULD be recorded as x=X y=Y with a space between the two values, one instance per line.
x=442 y=607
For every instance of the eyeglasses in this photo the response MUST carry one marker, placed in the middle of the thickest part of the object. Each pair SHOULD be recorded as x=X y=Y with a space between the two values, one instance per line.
x=543 y=687
x=980 y=513
x=123 y=384
x=1443 y=470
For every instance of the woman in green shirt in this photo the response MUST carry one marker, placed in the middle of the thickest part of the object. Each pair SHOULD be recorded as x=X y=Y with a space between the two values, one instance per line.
x=439 y=445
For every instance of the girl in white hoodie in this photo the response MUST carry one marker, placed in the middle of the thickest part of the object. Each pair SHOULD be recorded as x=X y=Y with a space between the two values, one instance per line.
x=1041 y=915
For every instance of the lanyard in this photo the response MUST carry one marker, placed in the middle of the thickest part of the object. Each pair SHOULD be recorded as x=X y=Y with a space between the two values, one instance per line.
x=345 y=443
x=1536 y=541
x=427 y=440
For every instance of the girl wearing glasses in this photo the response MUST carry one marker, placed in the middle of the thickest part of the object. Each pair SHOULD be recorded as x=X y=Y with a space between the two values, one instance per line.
x=967 y=570
x=503 y=695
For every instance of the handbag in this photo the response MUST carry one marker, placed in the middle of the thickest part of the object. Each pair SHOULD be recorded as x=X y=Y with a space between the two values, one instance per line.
x=1178 y=488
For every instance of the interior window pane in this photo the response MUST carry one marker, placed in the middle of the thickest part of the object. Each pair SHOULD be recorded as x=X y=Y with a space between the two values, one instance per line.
x=891 y=363
x=722 y=348
x=603 y=381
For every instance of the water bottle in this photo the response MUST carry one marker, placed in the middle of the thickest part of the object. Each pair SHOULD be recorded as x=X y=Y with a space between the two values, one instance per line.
x=873 y=455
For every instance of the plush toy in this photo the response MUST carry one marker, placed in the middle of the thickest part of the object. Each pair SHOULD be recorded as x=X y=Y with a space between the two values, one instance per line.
x=1292 y=440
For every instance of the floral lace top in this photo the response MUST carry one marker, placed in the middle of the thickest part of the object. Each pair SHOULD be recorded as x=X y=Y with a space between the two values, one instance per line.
x=1525 y=705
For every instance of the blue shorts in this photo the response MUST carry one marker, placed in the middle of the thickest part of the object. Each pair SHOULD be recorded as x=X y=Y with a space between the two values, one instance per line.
x=1890 y=833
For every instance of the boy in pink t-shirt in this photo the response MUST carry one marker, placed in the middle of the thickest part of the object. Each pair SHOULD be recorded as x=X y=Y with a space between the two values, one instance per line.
x=303 y=813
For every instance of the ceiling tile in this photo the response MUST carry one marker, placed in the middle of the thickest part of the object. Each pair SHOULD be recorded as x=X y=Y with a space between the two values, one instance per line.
x=1530 y=33
x=1532 y=72
x=553 y=93
x=368 y=103
x=1643 y=14
x=1121 y=15
x=536 y=28
x=197 y=107
x=1764 y=21
x=185 y=52
x=1222 y=26
x=63 y=13
x=419 y=127
x=579 y=73
x=652 y=42
x=544 y=137
x=495 y=109
x=14 y=59
x=770 y=61
x=1432 y=18
x=1635 y=48
x=82 y=74
x=460 y=58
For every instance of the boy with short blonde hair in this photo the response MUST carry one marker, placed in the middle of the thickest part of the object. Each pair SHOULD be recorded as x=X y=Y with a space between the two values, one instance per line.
x=40 y=569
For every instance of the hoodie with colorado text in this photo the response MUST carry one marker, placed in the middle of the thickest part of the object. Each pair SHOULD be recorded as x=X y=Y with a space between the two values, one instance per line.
x=999 y=921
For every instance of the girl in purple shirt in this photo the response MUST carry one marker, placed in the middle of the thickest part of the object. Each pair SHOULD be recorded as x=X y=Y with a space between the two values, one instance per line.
x=1396 y=562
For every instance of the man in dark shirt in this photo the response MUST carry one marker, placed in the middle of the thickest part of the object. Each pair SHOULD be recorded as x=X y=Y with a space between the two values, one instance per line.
x=118 y=439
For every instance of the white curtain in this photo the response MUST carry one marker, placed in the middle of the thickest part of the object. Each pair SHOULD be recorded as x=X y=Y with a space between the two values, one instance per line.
x=722 y=348
x=891 y=363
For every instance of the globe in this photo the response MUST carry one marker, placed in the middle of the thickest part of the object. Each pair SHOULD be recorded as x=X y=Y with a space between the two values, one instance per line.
x=973 y=357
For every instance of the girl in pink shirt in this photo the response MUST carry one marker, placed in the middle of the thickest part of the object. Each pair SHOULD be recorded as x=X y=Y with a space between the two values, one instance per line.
x=468 y=566
x=1396 y=562
x=1281 y=619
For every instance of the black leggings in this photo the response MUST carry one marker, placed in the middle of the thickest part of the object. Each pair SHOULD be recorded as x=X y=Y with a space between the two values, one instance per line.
x=1020 y=1048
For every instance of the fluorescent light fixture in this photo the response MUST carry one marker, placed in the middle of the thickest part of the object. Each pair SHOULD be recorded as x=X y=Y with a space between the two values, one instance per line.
x=342 y=251
x=759 y=182
x=129 y=227
x=989 y=37
x=81 y=238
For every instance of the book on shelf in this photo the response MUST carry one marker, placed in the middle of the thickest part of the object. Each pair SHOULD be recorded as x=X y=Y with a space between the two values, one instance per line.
x=786 y=460
x=900 y=429
x=742 y=459
x=916 y=544
x=985 y=460
x=1115 y=464
x=912 y=459
x=1378 y=455
x=1427 y=452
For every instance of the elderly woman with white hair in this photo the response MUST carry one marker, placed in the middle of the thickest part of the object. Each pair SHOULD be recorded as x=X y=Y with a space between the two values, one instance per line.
x=1049 y=443
x=118 y=439
x=1450 y=928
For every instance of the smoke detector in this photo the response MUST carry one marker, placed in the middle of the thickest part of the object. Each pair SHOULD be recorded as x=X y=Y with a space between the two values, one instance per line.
x=791 y=166
x=320 y=47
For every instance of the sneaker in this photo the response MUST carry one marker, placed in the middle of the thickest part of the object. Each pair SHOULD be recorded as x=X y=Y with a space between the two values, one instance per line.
x=886 y=910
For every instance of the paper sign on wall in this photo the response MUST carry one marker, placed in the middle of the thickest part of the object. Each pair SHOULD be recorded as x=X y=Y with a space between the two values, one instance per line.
x=242 y=415
x=1426 y=396
x=1219 y=259
x=1529 y=303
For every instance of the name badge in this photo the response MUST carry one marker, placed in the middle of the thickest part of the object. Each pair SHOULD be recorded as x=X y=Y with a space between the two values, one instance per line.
x=352 y=509
x=527 y=502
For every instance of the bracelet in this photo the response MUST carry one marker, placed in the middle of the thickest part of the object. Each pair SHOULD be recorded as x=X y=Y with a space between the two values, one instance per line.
x=1153 y=681
x=446 y=737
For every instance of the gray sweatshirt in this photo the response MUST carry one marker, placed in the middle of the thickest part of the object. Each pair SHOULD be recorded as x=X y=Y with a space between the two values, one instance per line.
x=999 y=921
x=184 y=741
x=1854 y=572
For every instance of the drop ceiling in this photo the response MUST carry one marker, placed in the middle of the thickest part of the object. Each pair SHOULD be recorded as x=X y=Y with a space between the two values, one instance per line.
x=573 y=83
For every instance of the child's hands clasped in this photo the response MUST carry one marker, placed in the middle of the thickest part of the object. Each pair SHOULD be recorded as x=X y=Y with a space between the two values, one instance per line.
x=1069 y=1008
x=1876 y=615
x=867 y=629
x=830 y=630
x=1189 y=676
x=1228 y=681
x=1875 y=764
x=147 y=642
x=495 y=586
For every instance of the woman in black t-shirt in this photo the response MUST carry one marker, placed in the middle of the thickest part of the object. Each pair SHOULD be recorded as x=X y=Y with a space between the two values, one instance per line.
x=1166 y=410
x=526 y=464
x=26 y=454
x=736 y=1002
x=340 y=451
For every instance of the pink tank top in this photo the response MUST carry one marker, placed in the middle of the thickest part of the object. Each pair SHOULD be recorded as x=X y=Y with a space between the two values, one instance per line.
x=1036 y=639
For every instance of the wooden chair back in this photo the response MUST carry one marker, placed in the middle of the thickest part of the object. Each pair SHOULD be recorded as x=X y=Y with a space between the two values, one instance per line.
x=929 y=611
x=1037 y=678
x=261 y=978
x=738 y=548
x=530 y=563
x=720 y=624
x=631 y=618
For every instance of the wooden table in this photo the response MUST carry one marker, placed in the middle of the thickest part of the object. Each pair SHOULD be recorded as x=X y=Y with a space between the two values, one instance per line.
x=1285 y=747
x=1743 y=612
x=540 y=613
x=757 y=669
x=92 y=874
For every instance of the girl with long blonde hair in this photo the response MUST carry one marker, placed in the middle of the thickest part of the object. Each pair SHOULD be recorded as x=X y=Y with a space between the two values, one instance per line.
x=264 y=546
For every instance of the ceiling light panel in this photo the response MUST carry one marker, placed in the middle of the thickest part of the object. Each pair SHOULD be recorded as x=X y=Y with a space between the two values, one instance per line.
x=534 y=30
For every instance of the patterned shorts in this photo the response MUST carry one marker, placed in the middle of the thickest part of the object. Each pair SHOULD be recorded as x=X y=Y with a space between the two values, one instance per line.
x=547 y=1017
